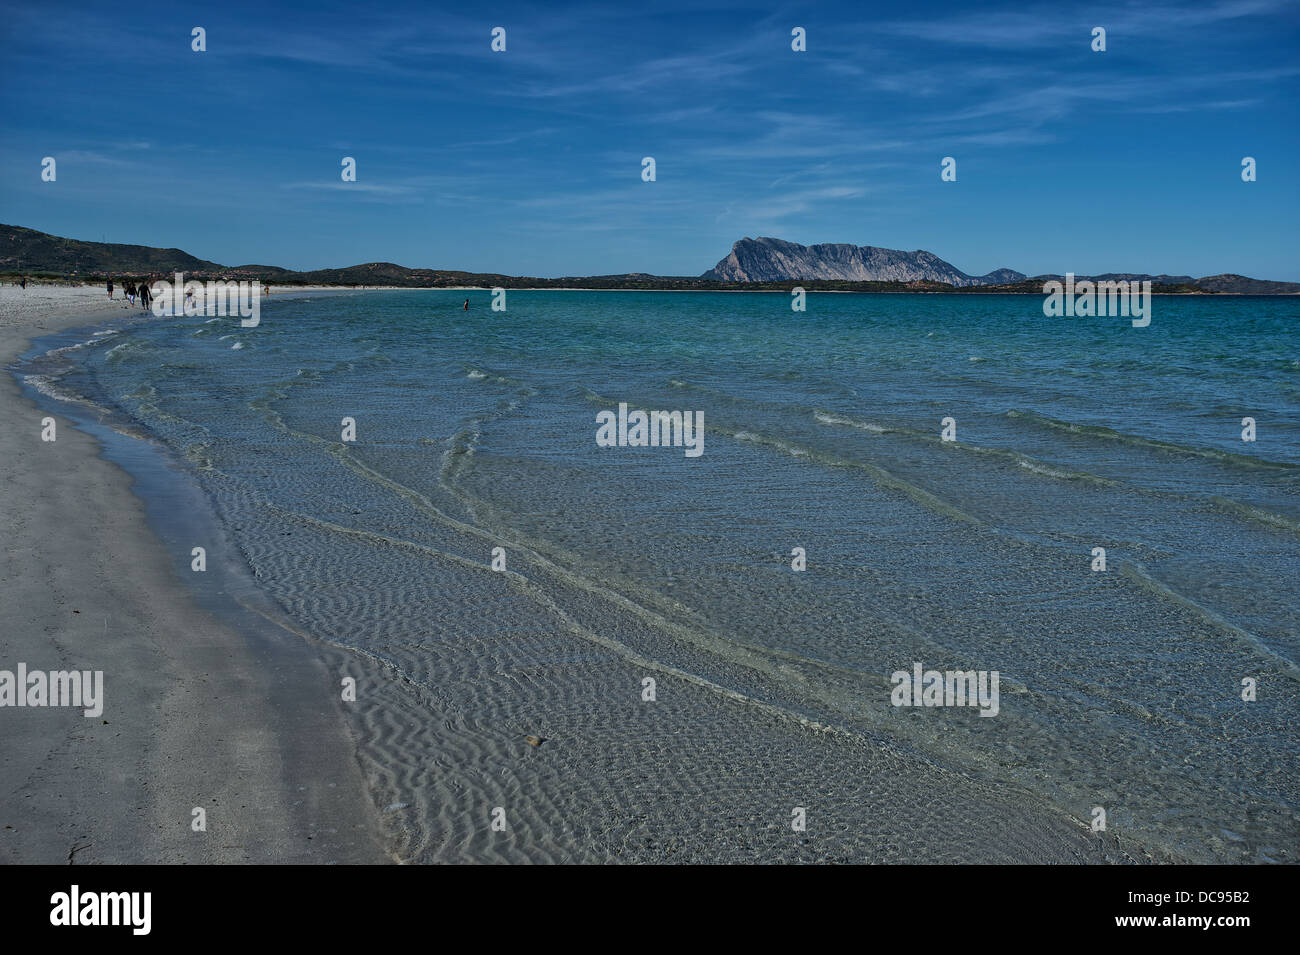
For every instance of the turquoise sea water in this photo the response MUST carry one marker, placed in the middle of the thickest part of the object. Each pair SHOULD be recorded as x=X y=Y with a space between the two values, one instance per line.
x=476 y=429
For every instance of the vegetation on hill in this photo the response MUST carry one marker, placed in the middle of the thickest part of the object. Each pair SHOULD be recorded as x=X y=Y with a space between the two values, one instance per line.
x=31 y=253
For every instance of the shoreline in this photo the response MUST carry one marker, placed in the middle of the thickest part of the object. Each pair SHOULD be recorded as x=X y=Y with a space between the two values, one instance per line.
x=244 y=724
x=279 y=291
x=242 y=710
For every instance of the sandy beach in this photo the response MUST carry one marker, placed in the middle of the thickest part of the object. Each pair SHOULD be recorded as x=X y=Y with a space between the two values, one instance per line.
x=246 y=723
x=195 y=714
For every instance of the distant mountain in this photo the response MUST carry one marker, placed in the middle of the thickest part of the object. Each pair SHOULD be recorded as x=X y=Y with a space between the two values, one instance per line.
x=757 y=264
x=1162 y=279
x=1242 y=285
x=1224 y=284
x=773 y=260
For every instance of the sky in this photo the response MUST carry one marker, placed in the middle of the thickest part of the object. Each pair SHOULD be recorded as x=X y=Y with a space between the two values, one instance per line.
x=529 y=161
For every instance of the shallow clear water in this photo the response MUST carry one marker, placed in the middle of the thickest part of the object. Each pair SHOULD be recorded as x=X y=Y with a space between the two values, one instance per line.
x=477 y=429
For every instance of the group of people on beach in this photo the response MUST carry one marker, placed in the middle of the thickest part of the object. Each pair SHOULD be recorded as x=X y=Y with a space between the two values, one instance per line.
x=130 y=291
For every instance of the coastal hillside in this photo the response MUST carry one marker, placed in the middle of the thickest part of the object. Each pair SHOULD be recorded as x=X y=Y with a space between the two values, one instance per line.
x=26 y=250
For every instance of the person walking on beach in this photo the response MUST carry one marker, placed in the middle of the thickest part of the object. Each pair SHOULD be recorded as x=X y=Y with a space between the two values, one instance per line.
x=145 y=295
x=23 y=283
x=110 y=289
x=129 y=291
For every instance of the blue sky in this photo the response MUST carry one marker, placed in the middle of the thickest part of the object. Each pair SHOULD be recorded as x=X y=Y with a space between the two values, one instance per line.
x=529 y=161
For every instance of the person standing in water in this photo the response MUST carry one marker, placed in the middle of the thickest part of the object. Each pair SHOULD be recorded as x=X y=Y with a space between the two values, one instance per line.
x=467 y=305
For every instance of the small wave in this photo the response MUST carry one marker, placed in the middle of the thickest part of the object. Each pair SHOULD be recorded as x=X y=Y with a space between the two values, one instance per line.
x=123 y=350
x=1035 y=466
x=45 y=384
x=237 y=345
x=67 y=349
x=1023 y=460
x=596 y=398
x=878 y=474
x=479 y=374
x=826 y=418
x=1139 y=574
x=739 y=401
x=1038 y=467
x=780 y=445
x=1256 y=514
x=1031 y=465
x=1110 y=434
x=199 y=455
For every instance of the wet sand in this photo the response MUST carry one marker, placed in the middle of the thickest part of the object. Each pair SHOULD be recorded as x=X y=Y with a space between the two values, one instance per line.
x=196 y=715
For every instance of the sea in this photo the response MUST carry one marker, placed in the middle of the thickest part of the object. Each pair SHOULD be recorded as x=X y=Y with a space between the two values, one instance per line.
x=1106 y=516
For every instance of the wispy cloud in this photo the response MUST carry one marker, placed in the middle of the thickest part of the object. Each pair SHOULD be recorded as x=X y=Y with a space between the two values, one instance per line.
x=1055 y=24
